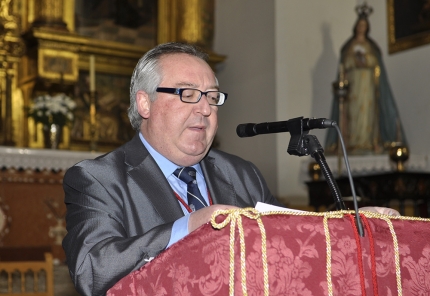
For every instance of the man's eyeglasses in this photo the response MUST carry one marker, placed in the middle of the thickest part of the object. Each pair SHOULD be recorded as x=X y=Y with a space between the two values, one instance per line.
x=193 y=96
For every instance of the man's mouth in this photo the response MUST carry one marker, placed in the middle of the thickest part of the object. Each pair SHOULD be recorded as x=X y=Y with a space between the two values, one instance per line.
x=198 y=127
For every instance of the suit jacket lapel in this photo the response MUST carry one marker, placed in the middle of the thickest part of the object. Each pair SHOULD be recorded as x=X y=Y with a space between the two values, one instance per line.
x=151 y=181
x=218 y=183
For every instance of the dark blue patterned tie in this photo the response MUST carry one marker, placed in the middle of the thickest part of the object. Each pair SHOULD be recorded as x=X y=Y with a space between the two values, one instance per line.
x=195 y=198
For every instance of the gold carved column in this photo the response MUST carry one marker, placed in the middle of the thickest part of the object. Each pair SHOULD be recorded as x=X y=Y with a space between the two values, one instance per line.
x=190 y=21
x=49 y=13
x=11 y=49
x=195 y=22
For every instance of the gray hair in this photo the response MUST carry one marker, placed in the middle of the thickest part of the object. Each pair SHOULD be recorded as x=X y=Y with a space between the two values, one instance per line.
x=147 y=74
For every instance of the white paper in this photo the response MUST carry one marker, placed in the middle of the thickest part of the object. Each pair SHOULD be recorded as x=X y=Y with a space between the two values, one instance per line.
x=264 y=207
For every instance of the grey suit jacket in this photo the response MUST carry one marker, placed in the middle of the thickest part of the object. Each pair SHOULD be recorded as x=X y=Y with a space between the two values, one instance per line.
x=121 y=208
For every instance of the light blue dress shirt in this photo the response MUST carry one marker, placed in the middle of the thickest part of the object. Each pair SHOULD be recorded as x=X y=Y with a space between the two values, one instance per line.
x=180 y=226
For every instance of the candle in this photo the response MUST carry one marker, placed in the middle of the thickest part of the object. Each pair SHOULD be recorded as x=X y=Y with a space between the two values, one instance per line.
x=92 y=74
x=341 y=73
x=93 y=108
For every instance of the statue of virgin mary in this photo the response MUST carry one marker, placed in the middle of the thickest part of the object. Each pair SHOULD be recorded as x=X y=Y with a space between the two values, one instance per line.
x=372 y=120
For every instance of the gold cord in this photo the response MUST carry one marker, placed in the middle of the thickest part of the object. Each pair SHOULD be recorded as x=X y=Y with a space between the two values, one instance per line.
x=234 y=216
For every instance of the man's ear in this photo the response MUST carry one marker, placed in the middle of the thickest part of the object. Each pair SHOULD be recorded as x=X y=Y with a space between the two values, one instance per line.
x=143 y=103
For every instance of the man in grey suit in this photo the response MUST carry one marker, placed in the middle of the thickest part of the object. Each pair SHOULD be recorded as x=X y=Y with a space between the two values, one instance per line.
x=127 y=206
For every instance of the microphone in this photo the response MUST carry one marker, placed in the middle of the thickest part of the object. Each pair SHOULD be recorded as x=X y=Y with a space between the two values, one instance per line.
x=252 y=129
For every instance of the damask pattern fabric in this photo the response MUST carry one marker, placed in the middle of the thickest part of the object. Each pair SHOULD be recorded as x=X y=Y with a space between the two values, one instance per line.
x=395 y=259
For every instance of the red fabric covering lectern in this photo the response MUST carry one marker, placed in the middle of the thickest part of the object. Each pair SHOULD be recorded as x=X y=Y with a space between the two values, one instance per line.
x=287 y=253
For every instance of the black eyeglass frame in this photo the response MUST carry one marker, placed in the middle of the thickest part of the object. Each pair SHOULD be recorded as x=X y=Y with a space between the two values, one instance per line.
x=179 y=91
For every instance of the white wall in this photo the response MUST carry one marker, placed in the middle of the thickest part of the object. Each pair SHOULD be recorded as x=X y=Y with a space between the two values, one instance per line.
x=300 y=65
x=245 y=32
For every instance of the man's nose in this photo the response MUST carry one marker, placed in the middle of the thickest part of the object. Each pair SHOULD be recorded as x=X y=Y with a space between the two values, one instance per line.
x=203 y=105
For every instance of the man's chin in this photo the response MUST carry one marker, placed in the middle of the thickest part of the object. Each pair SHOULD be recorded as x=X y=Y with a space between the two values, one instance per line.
x=195 y=156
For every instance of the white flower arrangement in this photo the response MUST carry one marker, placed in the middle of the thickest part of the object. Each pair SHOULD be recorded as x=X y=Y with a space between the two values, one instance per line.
x=49 y=110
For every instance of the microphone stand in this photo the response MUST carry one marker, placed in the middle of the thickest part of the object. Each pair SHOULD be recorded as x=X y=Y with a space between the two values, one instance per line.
x=311 y=143
x=302 y=144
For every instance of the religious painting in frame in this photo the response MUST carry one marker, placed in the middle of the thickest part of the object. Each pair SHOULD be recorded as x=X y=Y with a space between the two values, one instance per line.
x=408 y=24
x=128 y=21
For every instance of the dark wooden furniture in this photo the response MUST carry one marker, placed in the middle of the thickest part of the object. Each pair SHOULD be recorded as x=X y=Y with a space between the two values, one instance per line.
x=26 y=271
x=378 y=190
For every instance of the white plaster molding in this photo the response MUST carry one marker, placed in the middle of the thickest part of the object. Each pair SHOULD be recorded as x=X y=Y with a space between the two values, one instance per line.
x=26 y=158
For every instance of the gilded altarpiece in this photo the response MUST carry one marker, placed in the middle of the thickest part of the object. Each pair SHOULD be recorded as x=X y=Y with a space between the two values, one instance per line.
x=47 y=46
x=61 y=36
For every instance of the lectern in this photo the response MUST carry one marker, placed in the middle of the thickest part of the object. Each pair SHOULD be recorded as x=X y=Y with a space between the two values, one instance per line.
x=243 y=252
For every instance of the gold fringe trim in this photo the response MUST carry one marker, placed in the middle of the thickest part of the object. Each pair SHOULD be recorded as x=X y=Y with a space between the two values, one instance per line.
x=234 y=217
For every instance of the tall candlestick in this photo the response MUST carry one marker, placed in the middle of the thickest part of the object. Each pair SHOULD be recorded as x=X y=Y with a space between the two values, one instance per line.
x=92 y=73
x=93 y=124
x=93 y=103
x=92 y=109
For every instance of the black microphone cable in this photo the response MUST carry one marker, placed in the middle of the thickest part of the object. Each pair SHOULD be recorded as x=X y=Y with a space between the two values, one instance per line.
x=351 y=182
